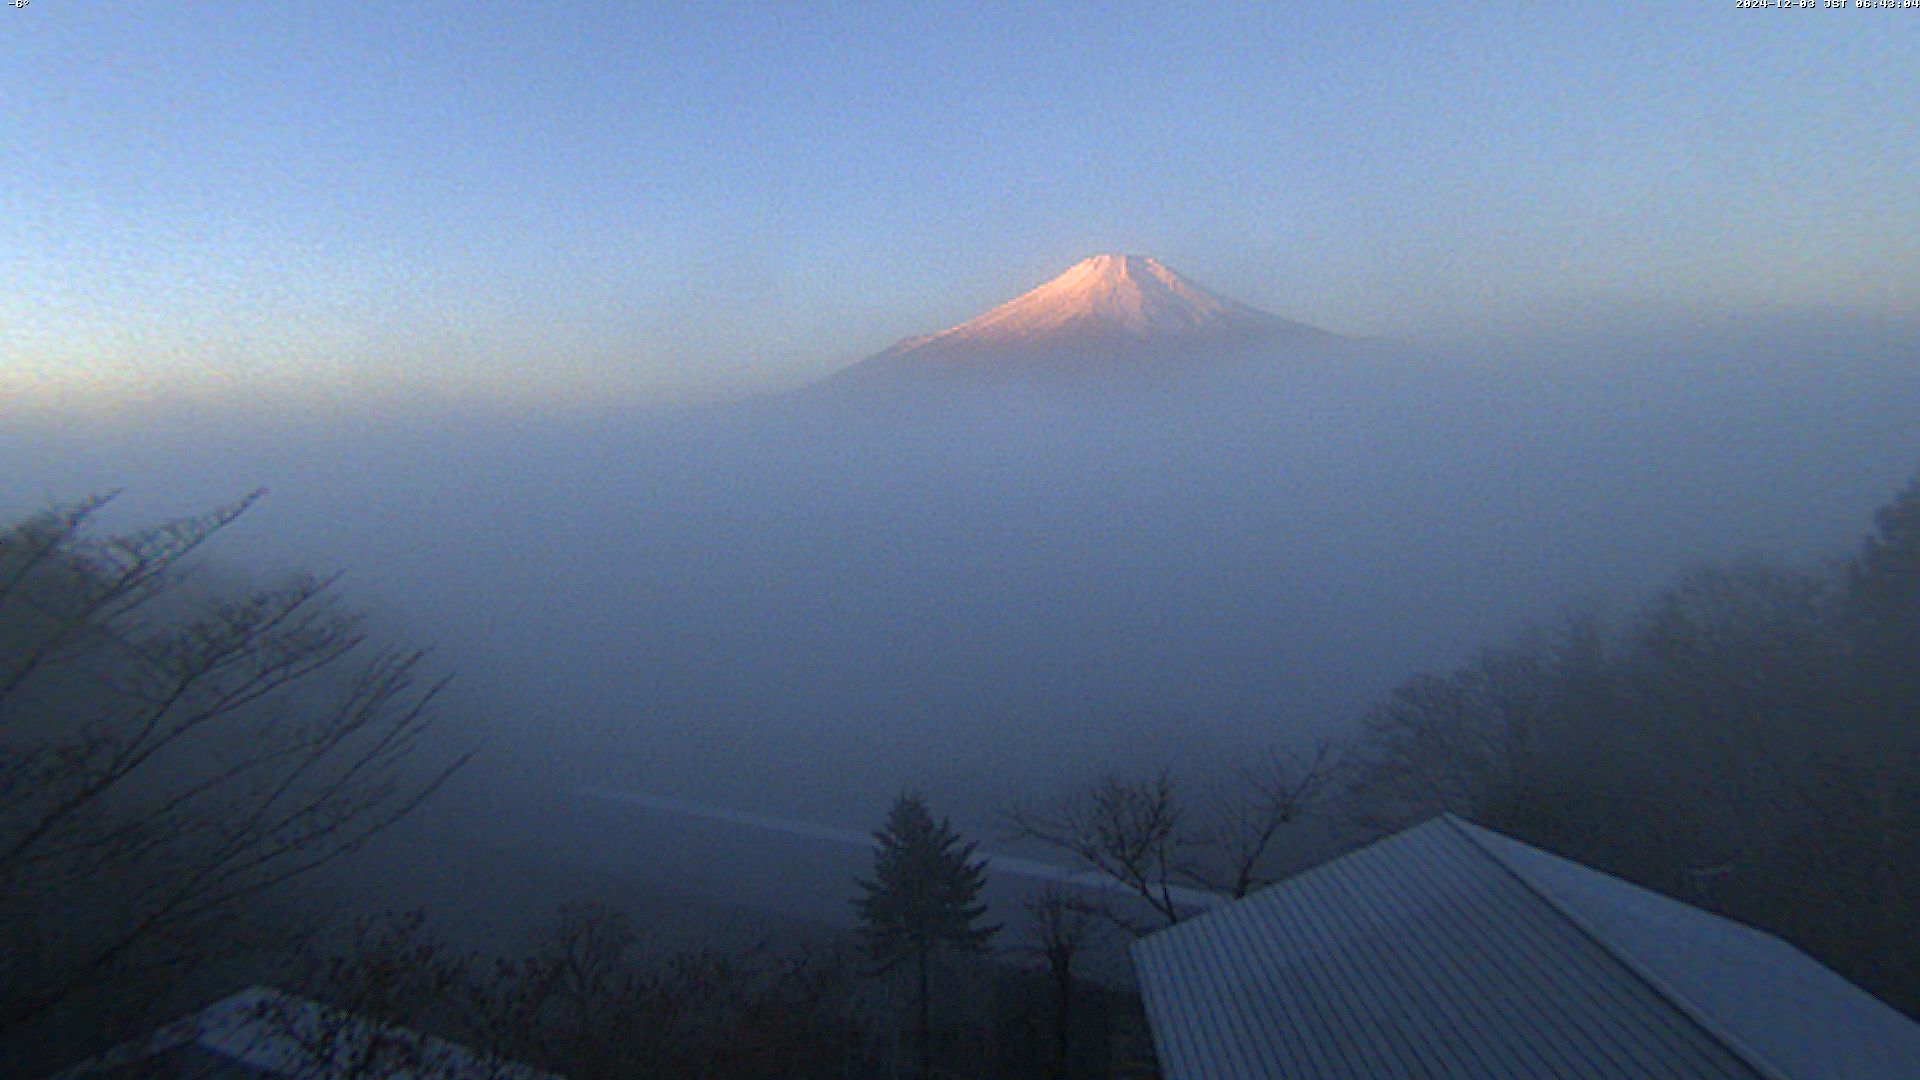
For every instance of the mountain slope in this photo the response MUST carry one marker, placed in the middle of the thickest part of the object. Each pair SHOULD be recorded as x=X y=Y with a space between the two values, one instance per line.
x=1104 y=311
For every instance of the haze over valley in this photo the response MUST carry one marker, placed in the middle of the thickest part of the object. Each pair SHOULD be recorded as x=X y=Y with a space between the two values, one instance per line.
x=555 y=527
x=1119 y=523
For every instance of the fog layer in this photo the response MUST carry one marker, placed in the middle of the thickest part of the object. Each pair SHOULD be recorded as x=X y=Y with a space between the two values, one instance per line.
x=798 y=605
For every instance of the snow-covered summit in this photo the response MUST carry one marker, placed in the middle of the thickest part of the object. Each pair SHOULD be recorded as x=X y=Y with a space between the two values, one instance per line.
x=1100 y=297
x=1108 y=313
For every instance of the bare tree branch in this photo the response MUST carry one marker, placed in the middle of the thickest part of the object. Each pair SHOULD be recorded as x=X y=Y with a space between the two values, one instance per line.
x=189 y=750
x=1141 y=834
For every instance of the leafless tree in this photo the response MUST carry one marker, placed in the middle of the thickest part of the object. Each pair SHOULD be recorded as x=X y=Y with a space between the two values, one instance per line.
x=1246 y=820
x=1144 y=836
x=170 y=750
x=1129 y=830
x=1063 y=927
x=1744 y=739
x=380 y=1008
x=586 y=1001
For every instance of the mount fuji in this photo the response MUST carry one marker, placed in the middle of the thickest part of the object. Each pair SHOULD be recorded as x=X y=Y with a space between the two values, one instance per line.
x=1106 y=312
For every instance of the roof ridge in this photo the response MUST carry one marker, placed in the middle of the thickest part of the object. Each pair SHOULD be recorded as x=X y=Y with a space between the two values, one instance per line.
x=1715 y=1030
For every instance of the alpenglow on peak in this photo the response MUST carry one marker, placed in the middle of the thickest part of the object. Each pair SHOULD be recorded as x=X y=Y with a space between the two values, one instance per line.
x=1102 y=297
x=1107 y=312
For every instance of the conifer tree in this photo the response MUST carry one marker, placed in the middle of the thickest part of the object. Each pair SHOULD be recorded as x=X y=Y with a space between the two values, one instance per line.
x=923 y=897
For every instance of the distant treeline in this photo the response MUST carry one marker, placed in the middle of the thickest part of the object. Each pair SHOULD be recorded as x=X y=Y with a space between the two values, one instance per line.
x=589 y=1000
x=1748 y=740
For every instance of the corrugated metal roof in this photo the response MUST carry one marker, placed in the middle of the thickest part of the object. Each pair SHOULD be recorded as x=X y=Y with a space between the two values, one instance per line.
x=1450 y=951
x=1780 y=1008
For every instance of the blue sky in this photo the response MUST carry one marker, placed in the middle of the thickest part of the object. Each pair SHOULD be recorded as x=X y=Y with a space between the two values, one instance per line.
x=663 y=201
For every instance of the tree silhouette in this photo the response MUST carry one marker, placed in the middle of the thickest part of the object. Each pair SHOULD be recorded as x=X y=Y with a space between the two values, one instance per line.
x=1063 y=927
x=172 y=749
x=923 y=897
x=1883 y=600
